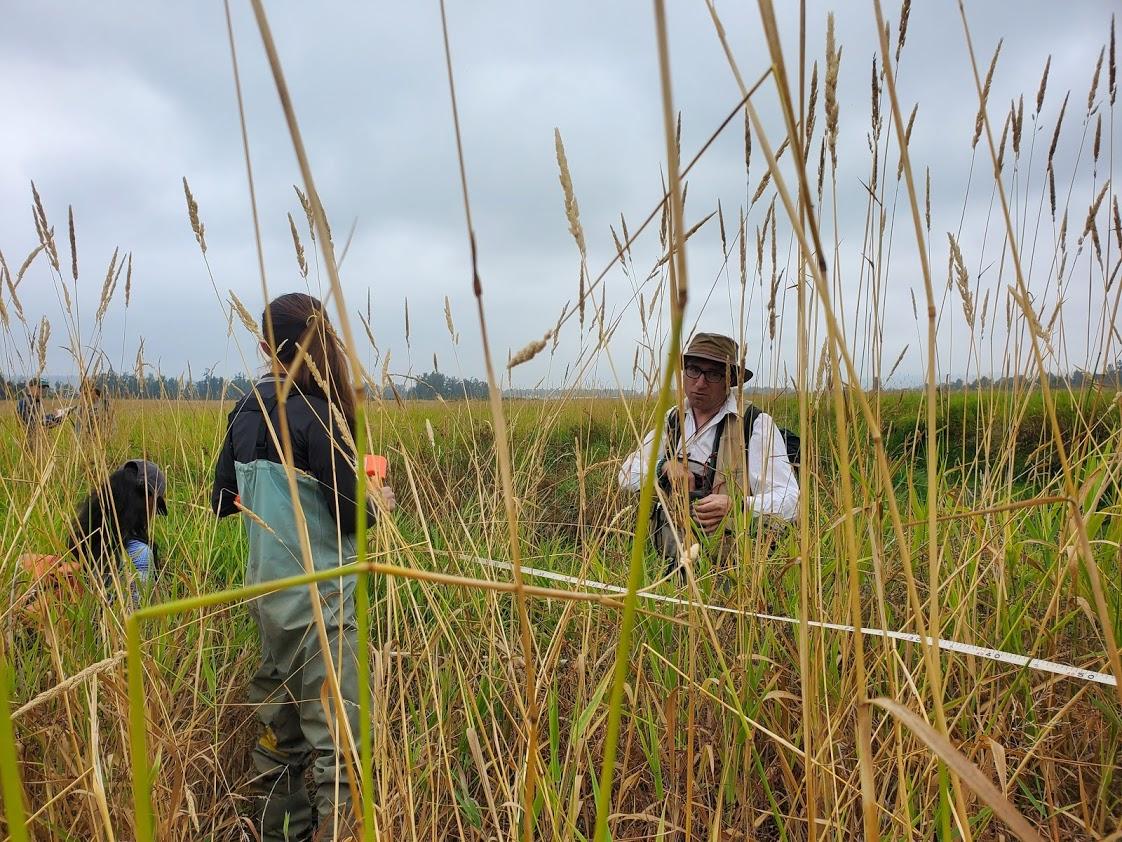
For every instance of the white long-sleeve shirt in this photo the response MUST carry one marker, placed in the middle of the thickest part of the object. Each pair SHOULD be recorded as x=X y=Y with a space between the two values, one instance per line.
x=774 y=488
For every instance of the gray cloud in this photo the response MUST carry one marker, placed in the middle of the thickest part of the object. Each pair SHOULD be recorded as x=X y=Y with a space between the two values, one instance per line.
x=111 y=107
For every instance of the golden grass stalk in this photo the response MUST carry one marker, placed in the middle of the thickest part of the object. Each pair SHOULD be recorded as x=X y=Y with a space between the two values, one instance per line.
x=502 y=454
x=678 y=295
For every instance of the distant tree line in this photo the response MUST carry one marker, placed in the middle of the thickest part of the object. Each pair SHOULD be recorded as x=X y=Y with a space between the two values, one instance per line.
x=429 y=386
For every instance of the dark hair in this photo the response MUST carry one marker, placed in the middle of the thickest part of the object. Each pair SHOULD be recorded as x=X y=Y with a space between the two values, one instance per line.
x=110 y=516
x=299 y=319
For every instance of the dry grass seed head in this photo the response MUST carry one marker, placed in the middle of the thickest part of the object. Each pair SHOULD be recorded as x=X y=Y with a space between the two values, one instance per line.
x=529 y=351
x=43 y=337
x=407 y=345
x=1098 y=138
x=747 y=144
x=245 y=316
x=766 y=178
x=1093 y=211
x=455 y=337
x=744 y=251
x=193 y=214
x=1052 y=189
x=128 y=282
x=896 y=364
x=1004 y=138
x=1056 y=132
x=907 y=140
x=811 y=108
x=73 y=243
x=821 y=168
x=833 y=63
x=1043 y=86
x=107 y=288
x=572 y=211
x=1018 y=124
x=962 y=280
x=985 y=96
x=721 y=224
x=27 y=264
x=875 y=95
x=1112 y=77
x=927 y=199
x=1117 y=224
x=1095 y=82
x=307 y=208
x=15 y=298
x=301 y=261
x=905 y=11
x=45 y=231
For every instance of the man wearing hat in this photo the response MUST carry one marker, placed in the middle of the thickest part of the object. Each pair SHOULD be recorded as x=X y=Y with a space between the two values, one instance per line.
x=29 y=408
x=722 y=460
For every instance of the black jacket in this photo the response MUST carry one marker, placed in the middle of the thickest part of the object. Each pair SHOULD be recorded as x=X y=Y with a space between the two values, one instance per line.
x=315 y=451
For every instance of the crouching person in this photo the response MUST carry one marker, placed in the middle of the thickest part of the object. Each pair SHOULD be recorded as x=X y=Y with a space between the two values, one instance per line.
x=731 y=468
x=299 y=729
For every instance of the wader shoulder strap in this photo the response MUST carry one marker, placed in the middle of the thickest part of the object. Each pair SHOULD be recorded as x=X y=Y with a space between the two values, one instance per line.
x=263 y=447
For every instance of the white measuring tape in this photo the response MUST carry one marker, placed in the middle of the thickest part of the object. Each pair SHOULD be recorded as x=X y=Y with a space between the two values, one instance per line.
x=949 y=645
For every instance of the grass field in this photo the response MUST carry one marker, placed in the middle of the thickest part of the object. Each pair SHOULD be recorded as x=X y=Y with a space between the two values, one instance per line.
x=713 y=727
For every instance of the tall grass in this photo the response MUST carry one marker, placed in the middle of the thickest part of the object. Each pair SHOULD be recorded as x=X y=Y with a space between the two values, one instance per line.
x=497 y=709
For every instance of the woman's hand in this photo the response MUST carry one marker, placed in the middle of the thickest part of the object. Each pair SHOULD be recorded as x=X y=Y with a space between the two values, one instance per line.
x=388 y=499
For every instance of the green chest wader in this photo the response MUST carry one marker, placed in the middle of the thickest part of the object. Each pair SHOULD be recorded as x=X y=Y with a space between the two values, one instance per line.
x=289 y=685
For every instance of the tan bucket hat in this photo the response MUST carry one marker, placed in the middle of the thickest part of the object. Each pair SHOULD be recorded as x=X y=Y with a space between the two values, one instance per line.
x=719 y=349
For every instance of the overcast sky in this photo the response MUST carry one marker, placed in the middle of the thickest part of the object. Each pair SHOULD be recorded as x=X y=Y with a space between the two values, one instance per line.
x=108 y=106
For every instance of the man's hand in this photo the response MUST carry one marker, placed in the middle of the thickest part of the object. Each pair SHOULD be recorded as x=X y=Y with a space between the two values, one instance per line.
x=710 y=511
x=677 y=473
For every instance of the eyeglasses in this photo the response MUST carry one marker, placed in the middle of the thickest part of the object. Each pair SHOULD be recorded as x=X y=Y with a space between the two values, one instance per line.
x=711 y=375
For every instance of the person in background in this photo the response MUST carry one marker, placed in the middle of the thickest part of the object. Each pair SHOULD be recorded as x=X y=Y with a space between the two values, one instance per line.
x=718 y=463
x=29 y=408
x=92 y=410
x=114 y=523
x=251 y=476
